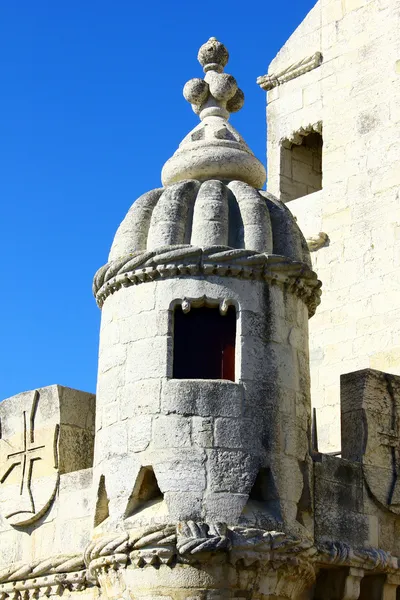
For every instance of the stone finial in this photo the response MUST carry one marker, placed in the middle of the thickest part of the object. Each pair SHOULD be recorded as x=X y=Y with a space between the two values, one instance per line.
x=218 y=93
x=214 y=149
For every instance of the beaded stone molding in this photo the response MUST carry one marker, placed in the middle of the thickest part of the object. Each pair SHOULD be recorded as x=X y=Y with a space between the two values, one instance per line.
x=221 y=261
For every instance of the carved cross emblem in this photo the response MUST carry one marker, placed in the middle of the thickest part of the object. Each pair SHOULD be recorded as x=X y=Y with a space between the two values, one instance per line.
x=24 y=458
x=28 y=466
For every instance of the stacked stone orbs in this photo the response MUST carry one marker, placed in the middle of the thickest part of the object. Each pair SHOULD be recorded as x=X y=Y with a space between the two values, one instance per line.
x=214 y=149
x=218 y=93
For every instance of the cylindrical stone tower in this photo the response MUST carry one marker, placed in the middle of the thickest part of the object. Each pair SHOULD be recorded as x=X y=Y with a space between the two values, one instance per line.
x=203 y=407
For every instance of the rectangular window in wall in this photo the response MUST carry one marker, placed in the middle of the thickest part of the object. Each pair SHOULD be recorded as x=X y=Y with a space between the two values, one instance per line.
x=204 y=343
x=301 y=166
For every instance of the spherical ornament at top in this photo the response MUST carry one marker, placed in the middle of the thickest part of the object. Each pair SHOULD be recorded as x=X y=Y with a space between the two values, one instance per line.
x=213 y=55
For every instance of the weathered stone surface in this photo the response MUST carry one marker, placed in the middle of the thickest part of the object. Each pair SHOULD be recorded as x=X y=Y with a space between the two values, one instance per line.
x=212 y=488
x=44 y=433
x=203 y=398
x=346 y=93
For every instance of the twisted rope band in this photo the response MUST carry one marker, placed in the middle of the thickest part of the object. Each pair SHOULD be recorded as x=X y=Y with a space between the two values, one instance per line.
x=172 y=261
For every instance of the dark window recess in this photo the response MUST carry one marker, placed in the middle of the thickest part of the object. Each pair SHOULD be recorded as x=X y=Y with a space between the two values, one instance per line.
x=301 y=166
x=204 y=344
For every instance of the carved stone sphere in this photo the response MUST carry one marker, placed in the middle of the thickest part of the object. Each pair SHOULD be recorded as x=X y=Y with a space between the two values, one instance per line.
x=236 y=103
x=196 y=91
x=213 y=53
x=223 y=86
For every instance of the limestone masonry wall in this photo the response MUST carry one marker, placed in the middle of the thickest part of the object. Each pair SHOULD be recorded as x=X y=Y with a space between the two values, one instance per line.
x=353 y=98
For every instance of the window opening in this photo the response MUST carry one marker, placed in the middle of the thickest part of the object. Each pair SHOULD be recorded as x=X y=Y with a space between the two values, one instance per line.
x=301 y=166
x=204 y=343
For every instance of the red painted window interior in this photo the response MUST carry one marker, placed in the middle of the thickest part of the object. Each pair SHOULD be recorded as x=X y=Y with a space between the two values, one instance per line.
x=204 y=344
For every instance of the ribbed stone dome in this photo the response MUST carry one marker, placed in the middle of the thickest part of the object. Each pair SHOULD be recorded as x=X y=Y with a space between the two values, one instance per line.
x=211 y=213
x=210 y=218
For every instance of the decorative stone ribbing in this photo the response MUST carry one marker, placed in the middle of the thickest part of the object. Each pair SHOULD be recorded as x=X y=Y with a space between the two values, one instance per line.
x=180 y=261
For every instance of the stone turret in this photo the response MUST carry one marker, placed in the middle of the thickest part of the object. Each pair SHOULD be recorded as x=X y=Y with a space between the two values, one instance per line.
x=203 y=407
x=206 y=482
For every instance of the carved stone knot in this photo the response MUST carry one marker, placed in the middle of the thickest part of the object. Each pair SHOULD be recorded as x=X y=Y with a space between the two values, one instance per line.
x=193 y=538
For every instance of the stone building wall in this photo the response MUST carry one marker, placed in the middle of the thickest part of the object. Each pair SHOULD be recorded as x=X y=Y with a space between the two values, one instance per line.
x=353 y=100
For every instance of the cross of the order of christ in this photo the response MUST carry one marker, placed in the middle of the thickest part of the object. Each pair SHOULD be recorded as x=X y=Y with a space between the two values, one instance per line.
x=18 y=469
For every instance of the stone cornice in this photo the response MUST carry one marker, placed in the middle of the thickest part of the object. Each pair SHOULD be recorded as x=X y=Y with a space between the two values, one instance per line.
x=269 y=81
x=181 y=261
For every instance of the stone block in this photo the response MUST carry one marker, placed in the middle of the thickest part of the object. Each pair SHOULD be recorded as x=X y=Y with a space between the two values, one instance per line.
x=184 y=506
x=119 y=478
x=140 y=398
x=148 y=358
x=171 y=431
x=171 y=290
x=75 y=490
x=339 y=485
x=203 y=432
x=140 y=433
x=201 y=397
x=111 y=357
x=110 y=414
x=180 y=470
x=232 y=471
x=139 y=326
x=223 y=507
x=238 y=433
x=112 y=441
x=109 y=384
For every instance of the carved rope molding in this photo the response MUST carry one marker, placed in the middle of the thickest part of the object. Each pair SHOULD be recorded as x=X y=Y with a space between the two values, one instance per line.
x=184 y=542
x=44 y=577
x=269 y=81
x=339 y=553
x=163 y=263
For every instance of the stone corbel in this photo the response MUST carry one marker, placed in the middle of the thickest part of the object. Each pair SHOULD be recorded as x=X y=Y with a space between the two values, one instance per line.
x=269 y=81
x=317 y=241
x=352 y=584
x=390 y=587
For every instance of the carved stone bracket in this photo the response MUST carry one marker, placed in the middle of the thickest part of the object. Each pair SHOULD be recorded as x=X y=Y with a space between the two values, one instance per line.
x=317 y=241
x=390 y=586
x=269 y=81
x=352 y=584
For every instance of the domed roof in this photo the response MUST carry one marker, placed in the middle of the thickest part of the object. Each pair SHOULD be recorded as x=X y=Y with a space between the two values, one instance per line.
x=233 y=216
x=210 y=217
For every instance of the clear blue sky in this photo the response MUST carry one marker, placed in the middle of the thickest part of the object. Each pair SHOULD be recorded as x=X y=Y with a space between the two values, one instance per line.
x=91 y=108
